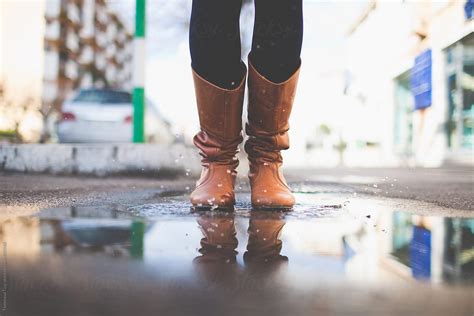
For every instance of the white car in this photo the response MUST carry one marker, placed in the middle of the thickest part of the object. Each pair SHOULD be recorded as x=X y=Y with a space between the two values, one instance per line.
x=106 y=115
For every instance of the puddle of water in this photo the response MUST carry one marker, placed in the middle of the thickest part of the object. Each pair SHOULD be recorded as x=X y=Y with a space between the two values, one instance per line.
x=331 y=258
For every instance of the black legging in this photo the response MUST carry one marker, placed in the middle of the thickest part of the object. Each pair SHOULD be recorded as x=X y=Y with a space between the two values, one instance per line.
x=214 y=39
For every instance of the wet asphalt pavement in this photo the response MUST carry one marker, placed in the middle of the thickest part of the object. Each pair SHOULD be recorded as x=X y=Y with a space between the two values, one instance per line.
x=122 y=246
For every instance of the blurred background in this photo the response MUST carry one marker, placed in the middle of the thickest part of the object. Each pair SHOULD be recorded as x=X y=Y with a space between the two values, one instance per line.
x=383 y=83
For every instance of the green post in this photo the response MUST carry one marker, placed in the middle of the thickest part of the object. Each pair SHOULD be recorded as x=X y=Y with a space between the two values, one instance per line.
x=139 y=57
x=137 y=243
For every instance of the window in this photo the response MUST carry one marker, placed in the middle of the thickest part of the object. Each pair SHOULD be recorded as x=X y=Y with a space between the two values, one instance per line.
x=104 y=97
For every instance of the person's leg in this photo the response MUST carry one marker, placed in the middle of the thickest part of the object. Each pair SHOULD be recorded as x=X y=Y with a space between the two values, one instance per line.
x=214 y=41
x=277 y=38
x=274 y=64
x=219 y=81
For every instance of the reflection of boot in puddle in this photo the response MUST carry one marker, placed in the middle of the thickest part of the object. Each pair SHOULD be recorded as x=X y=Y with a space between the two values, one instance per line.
x=264 y=245
x=219 y=242
x=217 y=263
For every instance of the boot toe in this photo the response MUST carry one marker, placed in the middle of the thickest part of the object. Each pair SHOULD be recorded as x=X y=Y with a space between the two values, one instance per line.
x=206 y=198
x=273 y=200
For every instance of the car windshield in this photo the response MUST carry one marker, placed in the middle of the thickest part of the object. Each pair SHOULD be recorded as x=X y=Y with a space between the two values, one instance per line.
x=103 y=97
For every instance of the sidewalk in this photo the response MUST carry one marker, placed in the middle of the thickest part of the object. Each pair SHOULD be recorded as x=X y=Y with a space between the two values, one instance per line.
x=99 y=159
x=451 y=187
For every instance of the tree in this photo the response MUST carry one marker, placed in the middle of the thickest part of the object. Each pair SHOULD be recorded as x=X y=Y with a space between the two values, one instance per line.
x=14 y=111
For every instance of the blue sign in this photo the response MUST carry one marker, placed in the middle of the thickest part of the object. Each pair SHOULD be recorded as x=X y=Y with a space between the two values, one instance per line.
x=468 y=8
x=421 y=80
x=420 y=253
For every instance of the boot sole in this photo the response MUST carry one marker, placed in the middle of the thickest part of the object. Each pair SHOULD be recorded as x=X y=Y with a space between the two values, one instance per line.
x=210 y=208
x=273 y=208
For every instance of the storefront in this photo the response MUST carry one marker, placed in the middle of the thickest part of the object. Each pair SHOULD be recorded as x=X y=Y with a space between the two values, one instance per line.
x=460 y=93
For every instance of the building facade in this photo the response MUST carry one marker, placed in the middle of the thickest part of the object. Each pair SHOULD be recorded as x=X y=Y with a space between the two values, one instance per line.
x=85 y=44
x=412 y=63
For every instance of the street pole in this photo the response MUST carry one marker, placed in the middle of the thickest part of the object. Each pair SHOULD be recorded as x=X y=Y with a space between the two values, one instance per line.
x=139 y=56
x=137 y=239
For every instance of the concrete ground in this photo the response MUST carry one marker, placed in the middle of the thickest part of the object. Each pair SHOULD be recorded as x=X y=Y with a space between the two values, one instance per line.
x=450 y=187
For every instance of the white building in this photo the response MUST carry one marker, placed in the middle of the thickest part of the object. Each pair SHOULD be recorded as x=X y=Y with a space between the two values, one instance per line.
x=86 y=44
x=383 y=46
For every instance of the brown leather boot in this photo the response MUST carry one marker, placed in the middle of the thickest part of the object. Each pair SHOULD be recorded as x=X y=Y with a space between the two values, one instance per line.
x=269 y=110
x=220 y=117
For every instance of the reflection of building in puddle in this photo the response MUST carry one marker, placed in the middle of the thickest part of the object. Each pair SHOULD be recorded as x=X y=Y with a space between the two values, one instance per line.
x=332 y=248
x=387 y=246
x=27 y=237
x=22 y=236
x=434 y=248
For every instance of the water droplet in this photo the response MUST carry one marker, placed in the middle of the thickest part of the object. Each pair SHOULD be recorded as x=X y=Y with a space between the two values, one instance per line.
x=375 y=186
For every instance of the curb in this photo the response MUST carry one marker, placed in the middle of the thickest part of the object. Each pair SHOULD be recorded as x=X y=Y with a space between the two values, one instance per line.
x=100 y=159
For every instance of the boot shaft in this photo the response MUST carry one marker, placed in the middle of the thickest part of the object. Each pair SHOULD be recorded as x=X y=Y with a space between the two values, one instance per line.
x=220 y=118
x=269 y=110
